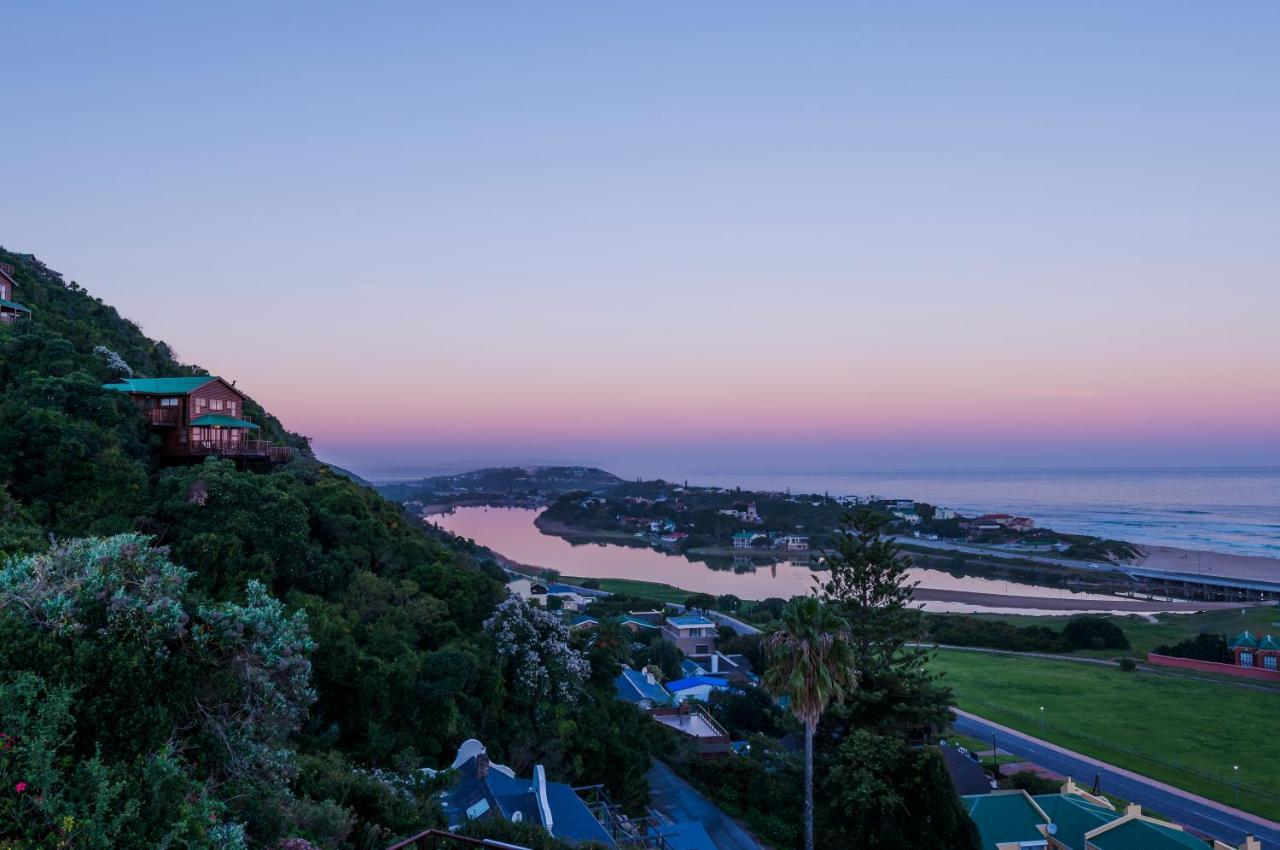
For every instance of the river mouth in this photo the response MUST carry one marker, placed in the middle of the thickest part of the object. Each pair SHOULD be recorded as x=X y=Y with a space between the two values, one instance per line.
x=512 y=533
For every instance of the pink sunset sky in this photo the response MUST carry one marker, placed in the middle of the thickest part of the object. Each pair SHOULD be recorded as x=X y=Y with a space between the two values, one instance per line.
x=655 y=237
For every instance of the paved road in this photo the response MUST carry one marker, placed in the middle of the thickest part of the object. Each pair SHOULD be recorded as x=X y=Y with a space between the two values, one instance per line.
x=1194 y=812
x=678 y=800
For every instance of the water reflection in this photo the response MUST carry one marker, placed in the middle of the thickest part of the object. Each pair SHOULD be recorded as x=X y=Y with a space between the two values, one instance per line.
x=511 y=532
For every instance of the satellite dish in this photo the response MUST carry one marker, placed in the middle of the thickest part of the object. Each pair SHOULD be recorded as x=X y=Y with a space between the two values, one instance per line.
x=1053 y=829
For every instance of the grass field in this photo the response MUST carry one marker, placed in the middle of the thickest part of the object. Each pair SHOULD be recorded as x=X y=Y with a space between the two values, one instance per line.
x=650 y=590
x=1184 y=732
x=1146 y=635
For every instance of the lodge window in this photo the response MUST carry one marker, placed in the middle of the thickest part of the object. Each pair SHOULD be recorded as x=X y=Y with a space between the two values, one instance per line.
x=231 y=408
x=1246 y=659
x=168 y=402
x=1269 y=662
x=215 y=404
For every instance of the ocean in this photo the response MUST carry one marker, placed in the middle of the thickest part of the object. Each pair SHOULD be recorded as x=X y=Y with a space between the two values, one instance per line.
x=1233 y=510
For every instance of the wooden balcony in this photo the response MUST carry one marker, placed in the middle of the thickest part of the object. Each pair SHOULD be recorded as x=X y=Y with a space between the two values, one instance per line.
x=164 y=417
x=235 y=449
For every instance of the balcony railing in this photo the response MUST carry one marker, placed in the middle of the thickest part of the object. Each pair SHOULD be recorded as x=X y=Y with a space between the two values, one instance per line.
x=438 y=839
x=251 y=449
x=164 y=416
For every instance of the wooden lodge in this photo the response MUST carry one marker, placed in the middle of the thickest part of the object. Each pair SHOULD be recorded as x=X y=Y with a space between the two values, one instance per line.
x=199 y=417
x=10 y=311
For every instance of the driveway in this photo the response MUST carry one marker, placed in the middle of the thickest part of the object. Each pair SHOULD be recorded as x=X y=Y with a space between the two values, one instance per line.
x=678 y=800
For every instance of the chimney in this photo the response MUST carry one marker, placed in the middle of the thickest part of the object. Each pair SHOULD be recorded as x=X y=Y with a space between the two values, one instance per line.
x=1133 y=809
x=715 y=662
x=649 y=677
x=540 y=790
x=1251 y=843
x=482 y=765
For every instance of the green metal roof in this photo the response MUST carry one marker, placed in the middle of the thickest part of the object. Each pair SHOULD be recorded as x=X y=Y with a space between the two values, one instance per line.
x=1269 y=642
x=221 y=421
x=1145 y=835
x=14 y=305
x=160 y=386
x=1074 y=816
x=1004 y=817
x=1244 y=639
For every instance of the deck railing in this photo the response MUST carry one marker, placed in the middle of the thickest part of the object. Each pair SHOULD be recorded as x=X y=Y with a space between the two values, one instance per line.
x=164 y=416
x=438 y=839
x=236 y=449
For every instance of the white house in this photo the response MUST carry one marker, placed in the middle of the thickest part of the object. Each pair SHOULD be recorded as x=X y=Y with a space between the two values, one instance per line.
x=795 y=542
x=532 y=591
x=695 y=688
x=944 y=513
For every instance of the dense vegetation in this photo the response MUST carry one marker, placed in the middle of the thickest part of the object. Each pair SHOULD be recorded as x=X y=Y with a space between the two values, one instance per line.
x=1082 y=632
x=141 y=649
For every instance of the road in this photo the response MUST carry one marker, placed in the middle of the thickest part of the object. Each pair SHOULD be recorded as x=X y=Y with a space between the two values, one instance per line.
x=678 y=800
x=1192 y=811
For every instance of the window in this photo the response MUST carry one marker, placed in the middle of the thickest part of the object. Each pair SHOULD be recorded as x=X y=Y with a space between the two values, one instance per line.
x=1246 y=659
x=231 y=408
x=1269 y=662
x=702 y=649
x=182 y=435
x=168 y=402
x=215 y=404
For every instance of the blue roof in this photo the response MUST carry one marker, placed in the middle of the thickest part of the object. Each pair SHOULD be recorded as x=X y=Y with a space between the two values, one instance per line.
x=636 y=621
x=689 y=667
x=633 y=686
x=689 y=835
x=695 y=682
x=473 y=797
x=561 y=588
x=690 y=620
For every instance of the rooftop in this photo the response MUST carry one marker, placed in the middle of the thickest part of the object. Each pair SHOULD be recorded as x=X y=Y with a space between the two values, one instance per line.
x=634 y=686
x=161 y=386
x=218 y=420
x=14 y=305
x=695 y=682
x=1142 y=834
x=1005 y=816
x=689 y=621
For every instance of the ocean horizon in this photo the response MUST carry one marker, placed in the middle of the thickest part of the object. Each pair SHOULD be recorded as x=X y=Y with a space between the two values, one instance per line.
x=1234 y=510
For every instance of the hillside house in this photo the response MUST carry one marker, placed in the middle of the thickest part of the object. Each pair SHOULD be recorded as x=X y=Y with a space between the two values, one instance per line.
x=795 y=542
x=743 y=512
x=696 y=636
x=199 y=417
x=10 y=310
x=642 y=689
x=745 y=539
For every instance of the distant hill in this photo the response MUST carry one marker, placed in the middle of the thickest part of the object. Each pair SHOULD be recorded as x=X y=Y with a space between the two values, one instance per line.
x=346 y=473
x=502 y=482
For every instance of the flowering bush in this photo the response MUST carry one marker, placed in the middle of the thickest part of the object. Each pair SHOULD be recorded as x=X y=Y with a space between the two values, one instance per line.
x=533 y=645
x=116 y=364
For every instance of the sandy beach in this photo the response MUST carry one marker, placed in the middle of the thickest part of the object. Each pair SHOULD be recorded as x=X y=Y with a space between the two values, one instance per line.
x=1199 y=562
x=1066 y=604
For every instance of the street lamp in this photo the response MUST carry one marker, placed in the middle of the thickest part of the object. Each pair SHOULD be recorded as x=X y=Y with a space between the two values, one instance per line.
x=1042 y=721
x=1235 y=773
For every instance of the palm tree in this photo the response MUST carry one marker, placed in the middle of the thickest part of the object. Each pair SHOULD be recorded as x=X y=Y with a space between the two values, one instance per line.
x=811 y=663
x=613 y=639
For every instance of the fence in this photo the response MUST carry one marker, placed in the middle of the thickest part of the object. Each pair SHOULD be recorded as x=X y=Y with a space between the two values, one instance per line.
x=1261 y=674
x=1107 y=748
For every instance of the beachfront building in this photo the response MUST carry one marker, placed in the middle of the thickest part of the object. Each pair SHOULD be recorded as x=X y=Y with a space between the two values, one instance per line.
x=746 y=539
x=10 y=310
x=795 y=542
x=695 y=635
x=1249 y=651
x=743 y=512
x=199 y=417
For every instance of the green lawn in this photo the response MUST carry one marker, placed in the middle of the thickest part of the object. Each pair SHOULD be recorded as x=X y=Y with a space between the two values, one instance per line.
x=650 y=590
x=1184 y=732
x=1146 y=635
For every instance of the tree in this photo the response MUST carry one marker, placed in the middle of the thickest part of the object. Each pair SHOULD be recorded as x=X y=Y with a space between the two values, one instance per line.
x=728 y=602
x=870 y=585
x=811 y=663
x=700 y=602
x=667 y=656
x=533 y=647
x=612 y=641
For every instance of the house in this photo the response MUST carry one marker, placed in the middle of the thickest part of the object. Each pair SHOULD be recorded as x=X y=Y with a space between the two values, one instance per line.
x=570 y=598
x=10 y=310
x=745 y=539
x=695 y=635
x=909 y=517
x=734 y=669
x=583 y=621
x=795 y=542
x=1008 y=521
x=743 y=512
x=692 y=719
x=1251 y=652
x=528 y=589
x=639 y=623
x=641 y=688
x=944 y=513
x=198 y=417
x=1074 y=819
x=695 y=688
x=485 y=789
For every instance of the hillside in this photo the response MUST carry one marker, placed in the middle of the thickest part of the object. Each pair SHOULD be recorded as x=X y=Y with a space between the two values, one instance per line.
x=244 y=655
x=503 y=482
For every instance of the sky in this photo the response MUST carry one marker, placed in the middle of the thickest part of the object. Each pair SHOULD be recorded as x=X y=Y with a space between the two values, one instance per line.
x=667 y=236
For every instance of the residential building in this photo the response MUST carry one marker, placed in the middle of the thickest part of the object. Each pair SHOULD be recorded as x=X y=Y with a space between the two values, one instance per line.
x=695 y=688
x=745 y=539
x=735 y=669
x=10 y=310
x=944 y=513
x=1249 y=651
x=695 y=635
x=743 y=512
x=694 y=720
x=529 y=590
x=641 y=688
x=795 y=542
x=570 y=598
x=1074 y=819
x=583 y=621
x=486 y=789
x=198 y=417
